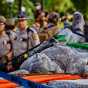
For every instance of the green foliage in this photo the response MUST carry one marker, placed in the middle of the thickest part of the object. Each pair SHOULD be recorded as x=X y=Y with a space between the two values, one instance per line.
x=4 y=7
x=67 y=6
x=58 y=5
x=49 y=5
x=7 y=11
x=82 y=6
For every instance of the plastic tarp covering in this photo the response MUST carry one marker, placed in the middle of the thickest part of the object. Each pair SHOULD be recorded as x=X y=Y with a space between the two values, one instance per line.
x=69 y=83
x=63 y=85
x=57 y=59
x=18 y=72
x=71 y=37
x=69 y=59
x=41 y=63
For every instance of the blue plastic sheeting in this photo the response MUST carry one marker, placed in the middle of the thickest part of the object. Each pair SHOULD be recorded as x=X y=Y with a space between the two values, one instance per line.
x=21 y=81
x=30 y=84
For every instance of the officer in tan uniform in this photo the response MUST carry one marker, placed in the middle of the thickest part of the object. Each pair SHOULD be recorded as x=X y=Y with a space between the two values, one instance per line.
x=26 y=37
x=6 y=53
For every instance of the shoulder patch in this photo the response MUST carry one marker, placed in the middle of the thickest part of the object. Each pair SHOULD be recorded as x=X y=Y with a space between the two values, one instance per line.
x=31 y=30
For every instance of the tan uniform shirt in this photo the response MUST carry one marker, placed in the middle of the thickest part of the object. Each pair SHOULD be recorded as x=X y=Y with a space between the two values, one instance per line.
x=25 y=40
x=5 y=43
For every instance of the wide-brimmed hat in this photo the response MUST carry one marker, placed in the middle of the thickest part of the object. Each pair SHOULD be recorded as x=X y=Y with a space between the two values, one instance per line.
x=2 y=19
x=22 y=16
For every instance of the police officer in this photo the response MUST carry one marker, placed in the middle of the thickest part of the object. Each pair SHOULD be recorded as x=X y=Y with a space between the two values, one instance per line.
x=5 y=46
x=26 y=37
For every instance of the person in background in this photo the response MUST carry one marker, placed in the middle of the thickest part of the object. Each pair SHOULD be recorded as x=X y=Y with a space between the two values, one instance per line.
x=45 y=19
x=27 y=37
x=42 y=25
x=38 y=12
x=36 y=26
x=51 y=28
x=10 y=28
x=41 y=16
x=77 y=26
x=78 y=22
x=10 y=24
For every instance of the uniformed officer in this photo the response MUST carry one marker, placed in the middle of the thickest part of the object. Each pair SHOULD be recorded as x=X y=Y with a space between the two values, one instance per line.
x=5 y=46
x=4 y=39
x=26 y=37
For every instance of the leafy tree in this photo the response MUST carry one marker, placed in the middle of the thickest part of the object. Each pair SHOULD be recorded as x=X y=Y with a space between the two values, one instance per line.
x=49 y=5
x=59 y=5
x=82 y=6
x=5 y=10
